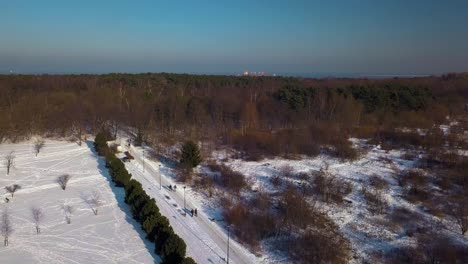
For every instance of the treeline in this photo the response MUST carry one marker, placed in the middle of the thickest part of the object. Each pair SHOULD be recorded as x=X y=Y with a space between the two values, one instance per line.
x=169 y=246
x=233 y=110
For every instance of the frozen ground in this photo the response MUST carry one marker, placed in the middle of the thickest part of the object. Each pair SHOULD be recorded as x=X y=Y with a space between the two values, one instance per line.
x=112 y=236
x=206 y=241
x=370 y=233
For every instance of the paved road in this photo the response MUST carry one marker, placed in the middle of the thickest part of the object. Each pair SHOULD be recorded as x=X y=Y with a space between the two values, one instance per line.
x=206 y=241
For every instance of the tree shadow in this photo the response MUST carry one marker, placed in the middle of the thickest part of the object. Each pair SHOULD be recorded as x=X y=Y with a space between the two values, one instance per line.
x=119 y=194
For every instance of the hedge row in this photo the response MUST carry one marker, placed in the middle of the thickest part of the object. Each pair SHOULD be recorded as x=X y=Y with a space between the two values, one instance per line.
x=169 y=245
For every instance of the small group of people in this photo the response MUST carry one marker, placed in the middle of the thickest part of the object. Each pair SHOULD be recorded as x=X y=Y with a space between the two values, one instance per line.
x=173 y=188
x=194 y=212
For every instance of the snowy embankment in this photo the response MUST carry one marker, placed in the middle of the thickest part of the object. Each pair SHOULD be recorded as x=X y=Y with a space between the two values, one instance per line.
x=206 y=242
x=112 y=236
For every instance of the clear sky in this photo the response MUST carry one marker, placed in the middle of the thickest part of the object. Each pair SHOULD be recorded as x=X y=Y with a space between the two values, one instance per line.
x=230 y=36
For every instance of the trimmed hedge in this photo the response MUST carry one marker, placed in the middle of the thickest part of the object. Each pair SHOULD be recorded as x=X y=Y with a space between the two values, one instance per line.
x=169 y=245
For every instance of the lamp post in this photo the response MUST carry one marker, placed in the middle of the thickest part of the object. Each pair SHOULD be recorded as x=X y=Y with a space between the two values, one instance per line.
x=143 y=160
x=185 y=208
x=160 y=182
x=229 y=233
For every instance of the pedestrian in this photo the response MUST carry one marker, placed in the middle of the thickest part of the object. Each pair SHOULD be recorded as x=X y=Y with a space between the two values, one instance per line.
x=191 y=211
x=170 y=187
x=175 y=187
x=196 y=214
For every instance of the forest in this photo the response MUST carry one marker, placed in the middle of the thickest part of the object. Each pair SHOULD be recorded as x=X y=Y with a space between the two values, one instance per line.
x=262 y=115
x=269 y=117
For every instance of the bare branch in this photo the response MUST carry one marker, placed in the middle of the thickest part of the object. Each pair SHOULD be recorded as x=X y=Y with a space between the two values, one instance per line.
x=94 y=201
x=68 y=211
x=63 y=180
x=38 y=145
x=37 y=216
x=12 y=189
x=9 y=161
x=6 y=228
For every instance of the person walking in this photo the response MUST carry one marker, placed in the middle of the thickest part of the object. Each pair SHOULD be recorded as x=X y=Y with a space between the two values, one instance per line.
x=196 y=214
x=191 y=211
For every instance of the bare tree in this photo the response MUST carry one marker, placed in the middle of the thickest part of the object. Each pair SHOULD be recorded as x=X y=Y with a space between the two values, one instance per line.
x=37 y=216
x=9 y=161
x=68 y=211
x=62 y=180
x=5 y=226
x=94 y=201
x=38 y=145
x=12 y=189
x=460 y=213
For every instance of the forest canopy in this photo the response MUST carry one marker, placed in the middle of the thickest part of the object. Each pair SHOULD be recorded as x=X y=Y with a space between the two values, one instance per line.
x=227 y=108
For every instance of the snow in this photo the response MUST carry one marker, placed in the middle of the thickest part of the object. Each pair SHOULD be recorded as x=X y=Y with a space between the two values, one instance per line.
x=368 y=233
x=112 y=236
x=206 y=241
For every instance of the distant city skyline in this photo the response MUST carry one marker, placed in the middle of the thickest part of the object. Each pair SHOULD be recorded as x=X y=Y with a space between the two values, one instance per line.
x=297 y=38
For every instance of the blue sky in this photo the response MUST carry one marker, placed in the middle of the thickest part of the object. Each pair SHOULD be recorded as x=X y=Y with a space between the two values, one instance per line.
x=201 y=36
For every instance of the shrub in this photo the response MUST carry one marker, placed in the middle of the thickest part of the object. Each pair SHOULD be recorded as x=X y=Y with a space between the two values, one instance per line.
x=250 y=226
x=173 y=250
x=190 y=156
x=188 y=260
x=330 y=188
x=170 y=246
x=319 y=247
x=229 y=179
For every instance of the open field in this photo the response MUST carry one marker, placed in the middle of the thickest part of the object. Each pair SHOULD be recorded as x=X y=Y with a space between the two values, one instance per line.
x=111 y=236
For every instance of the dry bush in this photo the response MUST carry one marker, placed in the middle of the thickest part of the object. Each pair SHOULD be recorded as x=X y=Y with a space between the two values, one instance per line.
x=255 y=144
x=343 y=149
x=248 y=225
x=319 y=247
x=404 y=220
x=364 y=131
x=374 y=198
x=415 y=183
x=62 y=181
x=329 y=187
x=294 y=210
x=261 y=201
x=458 y=209
x=287 y=171
x=378 y=183
x=276 y=180
x=429 y=248
x=184 y=174
x=229 y=179
x=205 y=183
x=258 y=144
x=394 y=138
x=434 y=139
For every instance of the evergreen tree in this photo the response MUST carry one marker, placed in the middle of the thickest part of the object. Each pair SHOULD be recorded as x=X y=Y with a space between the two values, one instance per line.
x=188 y=260
x=191 y=156
x=173 y=250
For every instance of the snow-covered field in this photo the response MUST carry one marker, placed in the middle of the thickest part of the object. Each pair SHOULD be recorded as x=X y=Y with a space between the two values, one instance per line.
x=112 y=236
x=369 y=233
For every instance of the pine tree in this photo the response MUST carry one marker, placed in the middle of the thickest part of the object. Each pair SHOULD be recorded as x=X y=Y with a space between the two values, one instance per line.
x=191 y=156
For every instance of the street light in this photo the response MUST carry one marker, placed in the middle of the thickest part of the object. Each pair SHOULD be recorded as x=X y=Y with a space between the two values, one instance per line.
x=143 y=160
x=160 y=185
x=185 y=208
x=229 y=232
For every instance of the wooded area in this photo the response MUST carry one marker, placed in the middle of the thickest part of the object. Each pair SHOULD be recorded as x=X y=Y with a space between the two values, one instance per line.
x=258 y=115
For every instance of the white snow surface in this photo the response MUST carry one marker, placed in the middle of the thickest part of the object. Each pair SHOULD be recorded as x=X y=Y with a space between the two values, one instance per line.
x=112 y=236
x=206 y=241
